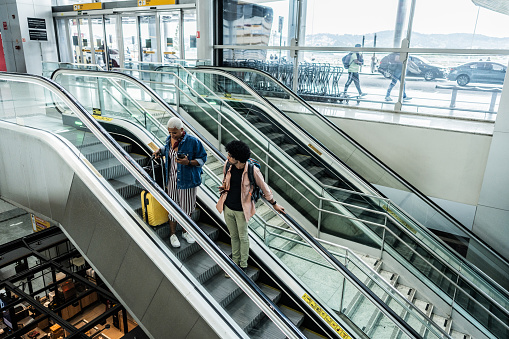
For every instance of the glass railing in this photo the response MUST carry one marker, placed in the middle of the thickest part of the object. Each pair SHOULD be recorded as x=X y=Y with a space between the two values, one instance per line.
x=38 y=103
x=210 y=180
x=48 y=67
x=445 y=275
x=380 y=176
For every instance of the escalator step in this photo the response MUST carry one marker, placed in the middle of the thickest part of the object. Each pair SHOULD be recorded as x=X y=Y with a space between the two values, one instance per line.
x=301 y=159
x=224 y=290
x=289 y=148
x=252 y=118
x=330 y=181
x=316 y=171
x=268 y=329
x=277 y=138
x=245 y=313
x=263 y=127
x=126 y=186
x=200 y=264
x=80 y=139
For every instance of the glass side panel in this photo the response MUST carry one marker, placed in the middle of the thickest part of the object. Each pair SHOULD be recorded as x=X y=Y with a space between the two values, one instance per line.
x=335 y=217
x=212 y=182
x=408 y=202
x=33 y=105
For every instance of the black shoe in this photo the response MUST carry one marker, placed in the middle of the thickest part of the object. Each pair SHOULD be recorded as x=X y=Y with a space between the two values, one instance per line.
x=244 y=269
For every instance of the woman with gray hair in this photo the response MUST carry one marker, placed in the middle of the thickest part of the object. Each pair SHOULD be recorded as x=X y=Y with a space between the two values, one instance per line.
x=185 y=155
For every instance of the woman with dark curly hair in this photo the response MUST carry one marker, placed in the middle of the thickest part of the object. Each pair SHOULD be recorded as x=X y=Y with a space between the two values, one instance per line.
x=236 y=199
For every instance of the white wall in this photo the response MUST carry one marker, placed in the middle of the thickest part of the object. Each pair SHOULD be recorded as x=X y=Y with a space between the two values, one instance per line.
x=492 y=217
x=28 y=58
x=444 y=165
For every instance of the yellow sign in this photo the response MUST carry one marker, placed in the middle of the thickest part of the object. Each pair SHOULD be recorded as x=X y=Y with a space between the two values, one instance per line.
x=142 y=3
x=410 y=228
x=98 y=117
x=38 y=224
x=315 y=149
x=87 y=7
x=149 y=52
x=96 y=111
x=169 y=53
x=325 y=317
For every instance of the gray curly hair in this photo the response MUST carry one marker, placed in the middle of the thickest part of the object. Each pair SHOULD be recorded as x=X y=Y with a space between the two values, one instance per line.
x=175 y=123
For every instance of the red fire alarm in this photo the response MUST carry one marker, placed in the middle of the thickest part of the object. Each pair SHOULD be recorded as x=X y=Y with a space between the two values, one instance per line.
x=198 y=34
x=5 y=26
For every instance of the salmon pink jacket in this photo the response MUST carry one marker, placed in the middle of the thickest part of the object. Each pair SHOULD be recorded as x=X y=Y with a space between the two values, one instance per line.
x=246 y=190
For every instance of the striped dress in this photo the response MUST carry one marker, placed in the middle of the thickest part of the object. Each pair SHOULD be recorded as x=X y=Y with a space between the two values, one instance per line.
x=185 y=198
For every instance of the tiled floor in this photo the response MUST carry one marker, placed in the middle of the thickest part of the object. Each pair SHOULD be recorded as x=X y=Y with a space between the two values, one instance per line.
x=14 y=222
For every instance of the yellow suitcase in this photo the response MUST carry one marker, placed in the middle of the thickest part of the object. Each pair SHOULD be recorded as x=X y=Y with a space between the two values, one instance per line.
x=153 y=213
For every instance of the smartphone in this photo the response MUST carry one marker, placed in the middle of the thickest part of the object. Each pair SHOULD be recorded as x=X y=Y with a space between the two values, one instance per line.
x=180 y=155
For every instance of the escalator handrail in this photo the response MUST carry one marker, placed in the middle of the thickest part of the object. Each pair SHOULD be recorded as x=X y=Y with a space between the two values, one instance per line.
x=361 y=148
x=389 y=216
x=309 y=238
x=377 y=161
x=315 y=180
x=247 y=285
x=396 y=221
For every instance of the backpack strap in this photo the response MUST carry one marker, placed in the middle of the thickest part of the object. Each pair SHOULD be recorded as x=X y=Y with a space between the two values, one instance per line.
x=250 y=173
x=227 y=168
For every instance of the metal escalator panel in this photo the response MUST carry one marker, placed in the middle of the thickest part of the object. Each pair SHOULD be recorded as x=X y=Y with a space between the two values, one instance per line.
x=269 y=84
x=210 y=177
x=338 y=210
x=94 y=193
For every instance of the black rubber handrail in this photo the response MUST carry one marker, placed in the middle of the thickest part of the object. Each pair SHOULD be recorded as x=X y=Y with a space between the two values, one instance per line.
x=315 y=244
x=372 y=157
x=149 y=184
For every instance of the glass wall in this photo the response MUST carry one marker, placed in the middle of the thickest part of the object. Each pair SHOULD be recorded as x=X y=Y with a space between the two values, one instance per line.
x=346 y=53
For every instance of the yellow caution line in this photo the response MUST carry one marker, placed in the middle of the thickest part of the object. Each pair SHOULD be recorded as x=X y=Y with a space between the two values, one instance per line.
x=325 y=317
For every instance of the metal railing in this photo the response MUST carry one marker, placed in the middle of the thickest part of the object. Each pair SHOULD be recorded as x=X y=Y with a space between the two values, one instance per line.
x=387 y=215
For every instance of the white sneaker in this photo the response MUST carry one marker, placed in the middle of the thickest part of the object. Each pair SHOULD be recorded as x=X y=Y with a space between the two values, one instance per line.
x=174 y=241
x=189 y=238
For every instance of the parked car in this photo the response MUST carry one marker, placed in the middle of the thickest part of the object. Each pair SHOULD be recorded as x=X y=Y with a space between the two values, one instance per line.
x=479 y=71
x=427 y=70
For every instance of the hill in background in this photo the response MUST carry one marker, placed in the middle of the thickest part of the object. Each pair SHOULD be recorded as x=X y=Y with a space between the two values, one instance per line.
x=385 y=39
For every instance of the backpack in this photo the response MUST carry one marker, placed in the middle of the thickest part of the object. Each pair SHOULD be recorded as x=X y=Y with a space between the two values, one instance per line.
x=251 y=163
x=347 y=59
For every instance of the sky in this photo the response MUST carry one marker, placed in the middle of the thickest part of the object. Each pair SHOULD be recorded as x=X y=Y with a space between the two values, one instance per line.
x=369 y=16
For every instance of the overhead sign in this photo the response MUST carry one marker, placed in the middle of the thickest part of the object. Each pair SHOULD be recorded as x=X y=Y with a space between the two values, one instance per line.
x=87 y=7
x=142 y=3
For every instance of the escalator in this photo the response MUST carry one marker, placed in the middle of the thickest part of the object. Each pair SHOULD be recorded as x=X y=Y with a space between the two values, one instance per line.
x=107 y=230
x=267 y=226
x=482 y=301
x=90 y=184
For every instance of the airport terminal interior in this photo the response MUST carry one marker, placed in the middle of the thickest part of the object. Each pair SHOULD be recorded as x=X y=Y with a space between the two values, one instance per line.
x=381 y=128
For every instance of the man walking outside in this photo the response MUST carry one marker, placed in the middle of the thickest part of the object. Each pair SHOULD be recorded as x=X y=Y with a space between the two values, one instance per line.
x=354 y=66
x=395 y=67
x=236 y=201
x=185 y=155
